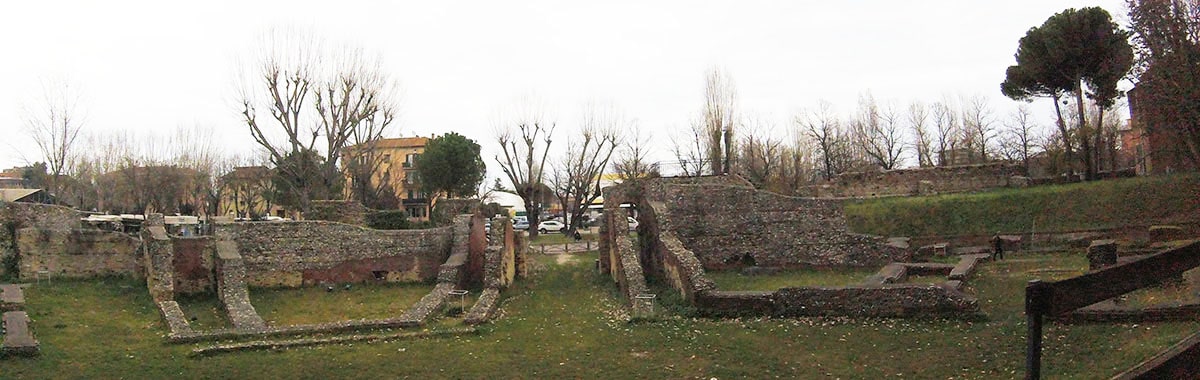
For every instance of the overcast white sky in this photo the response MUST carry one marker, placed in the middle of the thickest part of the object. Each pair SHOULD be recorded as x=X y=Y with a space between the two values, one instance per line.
x=158 y=65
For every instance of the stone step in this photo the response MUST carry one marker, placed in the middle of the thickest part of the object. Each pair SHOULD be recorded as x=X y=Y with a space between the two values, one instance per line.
x=18 y=338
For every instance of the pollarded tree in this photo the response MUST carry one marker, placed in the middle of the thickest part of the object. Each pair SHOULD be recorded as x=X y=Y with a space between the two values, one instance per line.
x=316 y=98
x=1071 y=49
x=524 y=164
x=451 y=164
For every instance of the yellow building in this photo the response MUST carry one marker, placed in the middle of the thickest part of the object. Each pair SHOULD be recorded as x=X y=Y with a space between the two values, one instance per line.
x=396 y=170
x=246 y=193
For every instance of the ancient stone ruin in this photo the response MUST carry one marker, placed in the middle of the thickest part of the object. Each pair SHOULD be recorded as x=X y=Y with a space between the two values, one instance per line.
x=691 y=225
x=41 y=240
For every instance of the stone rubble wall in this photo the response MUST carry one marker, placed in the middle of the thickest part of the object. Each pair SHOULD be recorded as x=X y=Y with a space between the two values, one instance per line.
x=160 y=259
x=78 y=253
x=293 y=254
x=731 y=226
x=35 y=215
x=668 y=257
x=920 y=181
x=231 y=288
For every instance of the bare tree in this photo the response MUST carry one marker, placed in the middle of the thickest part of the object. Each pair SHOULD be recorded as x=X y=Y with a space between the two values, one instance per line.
x=314 y=95
x=690 y=152
x=54 y=126
x=918 y=120
x=977 y=125
x=718 y=118
x=370 y=180
x=761 y=155
x=524 y=164
x=632 y=158
x=577 y=181
x=945 y=124
x=1018 y=137
x=877 y=132
x=821 y=125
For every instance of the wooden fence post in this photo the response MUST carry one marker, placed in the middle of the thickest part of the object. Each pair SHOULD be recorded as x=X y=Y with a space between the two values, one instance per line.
x=1035 y=309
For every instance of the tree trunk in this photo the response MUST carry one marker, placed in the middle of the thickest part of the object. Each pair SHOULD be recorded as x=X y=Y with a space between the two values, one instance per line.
x=532 y=214
x=1096 y=137
x=1066 y=136
x=1089 y=165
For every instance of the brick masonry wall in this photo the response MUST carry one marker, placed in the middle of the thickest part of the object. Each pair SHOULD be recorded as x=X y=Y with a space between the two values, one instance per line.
x=919 y=181
x=78 y=253
x=193 y=264
x=311 y=252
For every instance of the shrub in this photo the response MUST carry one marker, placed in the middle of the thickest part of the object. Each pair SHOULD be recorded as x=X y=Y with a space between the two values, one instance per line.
x=389 y=220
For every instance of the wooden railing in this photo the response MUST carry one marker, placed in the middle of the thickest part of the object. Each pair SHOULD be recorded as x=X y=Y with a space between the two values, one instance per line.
x=1057 y=298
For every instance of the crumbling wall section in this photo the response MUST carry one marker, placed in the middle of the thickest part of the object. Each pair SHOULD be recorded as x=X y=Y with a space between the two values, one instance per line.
x=77 y=253
x=18 y=215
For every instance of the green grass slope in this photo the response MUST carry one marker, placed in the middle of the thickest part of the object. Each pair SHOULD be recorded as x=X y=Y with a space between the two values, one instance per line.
x=1102 y=204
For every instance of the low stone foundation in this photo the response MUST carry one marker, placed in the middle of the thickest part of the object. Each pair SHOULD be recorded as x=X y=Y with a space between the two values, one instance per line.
x=884 y=301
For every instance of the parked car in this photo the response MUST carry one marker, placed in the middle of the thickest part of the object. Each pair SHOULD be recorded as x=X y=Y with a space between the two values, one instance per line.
x=633 y=223
x=550 y=226
x=521 y=225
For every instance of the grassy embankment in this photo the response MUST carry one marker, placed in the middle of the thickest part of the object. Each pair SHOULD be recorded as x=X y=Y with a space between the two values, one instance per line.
x=1101 y=204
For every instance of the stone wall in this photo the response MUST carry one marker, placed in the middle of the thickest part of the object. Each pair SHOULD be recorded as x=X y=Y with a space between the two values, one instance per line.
x=78 y=253
x=18 y=215
x=920 y=181
x=349 y=212
x=36 y=215
x=664 y=255
x=732 y=226
x=313 y=252
x=159 y=255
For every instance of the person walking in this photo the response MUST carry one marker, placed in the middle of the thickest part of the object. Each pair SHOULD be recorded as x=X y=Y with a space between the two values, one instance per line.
x=997 y=247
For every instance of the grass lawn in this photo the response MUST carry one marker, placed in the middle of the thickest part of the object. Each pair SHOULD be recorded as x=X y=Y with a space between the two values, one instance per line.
x=314 y=304
x=734 y=280
x=566 y=323
x=204 y=311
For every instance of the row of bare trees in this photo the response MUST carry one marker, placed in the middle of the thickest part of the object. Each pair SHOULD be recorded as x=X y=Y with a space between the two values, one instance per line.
x=822 y=143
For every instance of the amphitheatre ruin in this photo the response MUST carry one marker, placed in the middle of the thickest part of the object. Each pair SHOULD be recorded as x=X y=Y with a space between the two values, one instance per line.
x=666 y=263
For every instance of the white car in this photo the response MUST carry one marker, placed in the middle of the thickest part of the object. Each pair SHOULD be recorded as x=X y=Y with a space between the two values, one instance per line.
x=550 y=226
x=633 y=223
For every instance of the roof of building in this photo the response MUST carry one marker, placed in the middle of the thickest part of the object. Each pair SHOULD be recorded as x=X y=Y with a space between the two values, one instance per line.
x=15 y=195
x=399 y=142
